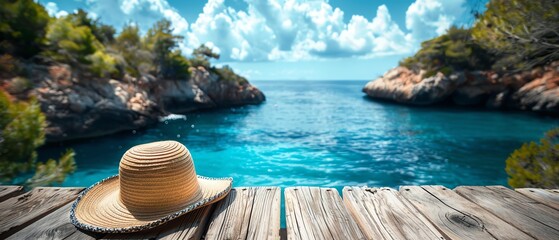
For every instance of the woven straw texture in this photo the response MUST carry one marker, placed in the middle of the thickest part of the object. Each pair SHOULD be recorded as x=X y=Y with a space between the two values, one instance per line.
x=156 y=180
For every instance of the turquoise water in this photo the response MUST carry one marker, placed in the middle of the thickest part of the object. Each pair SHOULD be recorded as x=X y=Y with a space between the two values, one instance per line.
x=325 y=133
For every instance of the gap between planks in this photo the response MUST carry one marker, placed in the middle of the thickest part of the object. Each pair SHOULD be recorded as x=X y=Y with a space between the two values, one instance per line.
x=247 y=213
x=318 y=213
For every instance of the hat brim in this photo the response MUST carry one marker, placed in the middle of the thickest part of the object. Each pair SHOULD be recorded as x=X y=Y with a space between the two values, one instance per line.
x=99 y=209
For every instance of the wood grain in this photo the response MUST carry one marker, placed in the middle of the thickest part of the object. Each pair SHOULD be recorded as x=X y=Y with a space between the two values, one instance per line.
x=53 y=226
x=190 y=226
x=547 y=197
x=20 y=211
x=247 y=213
x=457 y=217
x=318 y=213
x=7 y=192
x=382 y=213
x=528 y=215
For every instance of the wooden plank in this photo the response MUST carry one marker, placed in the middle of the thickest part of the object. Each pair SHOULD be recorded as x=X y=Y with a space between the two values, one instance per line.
x=545 y=196
x=318 y=213
x=457 y=217
x=247 y=213
x=189 y=226
x=20 y=211
x=53 y=226
x=7 y=192
x=382 y=213
x=528 y=215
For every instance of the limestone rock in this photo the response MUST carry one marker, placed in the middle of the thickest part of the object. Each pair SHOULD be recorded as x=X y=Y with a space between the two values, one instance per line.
x=535 y=90
x=79 y=107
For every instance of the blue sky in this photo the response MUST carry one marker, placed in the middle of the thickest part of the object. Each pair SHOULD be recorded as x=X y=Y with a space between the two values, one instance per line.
x=292 y=39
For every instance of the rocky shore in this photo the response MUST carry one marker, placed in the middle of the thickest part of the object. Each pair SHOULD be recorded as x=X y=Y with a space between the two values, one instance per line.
x=80 y=107
x=536 y=90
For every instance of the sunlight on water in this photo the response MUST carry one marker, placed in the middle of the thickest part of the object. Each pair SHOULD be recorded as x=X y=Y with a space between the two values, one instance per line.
x=325 y=133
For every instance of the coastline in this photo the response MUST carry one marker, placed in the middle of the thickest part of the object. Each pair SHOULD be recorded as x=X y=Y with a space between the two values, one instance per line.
x=77 y=106
x=536 y=90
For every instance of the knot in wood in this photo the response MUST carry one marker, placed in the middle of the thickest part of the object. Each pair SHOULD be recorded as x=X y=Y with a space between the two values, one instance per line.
x=465 y=220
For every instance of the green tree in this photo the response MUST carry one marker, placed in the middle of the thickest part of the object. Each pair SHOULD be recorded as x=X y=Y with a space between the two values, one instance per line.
x=161 y=41
x=453 y=51
x=525 y=33
x=177 y=65
x=103 y=33
x=205 y=52
x=70 y=43
x=536 y=165
x=22 y=27
x=138 y=59
x=21 y=132
x=77 y=46
x=201 y=56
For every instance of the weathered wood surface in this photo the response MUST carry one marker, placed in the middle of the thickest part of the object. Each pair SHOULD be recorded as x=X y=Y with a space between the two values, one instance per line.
x=53 y=226
x=318 y=213
x=189 y=226
x=457 y=217
x=418 y=212
x=382 y=213
x=528 y=215
x=545 y=196
x=9 y=191
x=247 y=213
x=19 y=211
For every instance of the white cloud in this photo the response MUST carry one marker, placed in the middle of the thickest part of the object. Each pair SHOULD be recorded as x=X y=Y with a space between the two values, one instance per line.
x=293 y=30
x=288 y=30
x=428 y=18
x=52 y=9
x=143 y=12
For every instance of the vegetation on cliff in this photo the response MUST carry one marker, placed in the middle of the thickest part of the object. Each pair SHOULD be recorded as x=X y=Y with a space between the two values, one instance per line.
x=453 y=51
x=509 y=36
x=21 y=132
x=536 y=165
x=29 y=34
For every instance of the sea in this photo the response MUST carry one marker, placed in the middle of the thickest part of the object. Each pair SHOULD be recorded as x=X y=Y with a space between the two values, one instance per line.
x=328 y=134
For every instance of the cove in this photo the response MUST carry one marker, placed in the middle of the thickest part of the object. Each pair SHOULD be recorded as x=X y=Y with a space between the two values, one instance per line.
x=326 y=133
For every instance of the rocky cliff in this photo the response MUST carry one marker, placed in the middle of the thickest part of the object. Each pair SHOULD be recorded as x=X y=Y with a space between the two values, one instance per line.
x=79 y=107
x=536 y=90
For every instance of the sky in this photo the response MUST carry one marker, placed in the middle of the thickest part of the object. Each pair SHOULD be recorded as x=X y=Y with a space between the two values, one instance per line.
x=291 y=39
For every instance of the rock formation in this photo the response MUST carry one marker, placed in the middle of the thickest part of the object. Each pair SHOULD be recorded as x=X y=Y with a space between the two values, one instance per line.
x=79 y=107
x=535 y=90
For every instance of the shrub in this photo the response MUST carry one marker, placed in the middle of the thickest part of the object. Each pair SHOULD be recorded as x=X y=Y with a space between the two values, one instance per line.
x=536 y=165
x=453 y=51
x=21 y=132
x=524 y=33
x=53 y=171
x=226 y=73
x=102 y=64
x=69 y=43
x=22 y=27
x=177 y=66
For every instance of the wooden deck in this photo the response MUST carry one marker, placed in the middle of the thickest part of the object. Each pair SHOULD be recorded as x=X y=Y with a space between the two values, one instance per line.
x=413 y=212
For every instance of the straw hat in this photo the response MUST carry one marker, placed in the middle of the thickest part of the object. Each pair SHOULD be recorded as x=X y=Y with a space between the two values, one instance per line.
x=156 y=183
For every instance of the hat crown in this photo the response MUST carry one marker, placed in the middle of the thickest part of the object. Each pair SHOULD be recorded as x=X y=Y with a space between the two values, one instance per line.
x=156 y=176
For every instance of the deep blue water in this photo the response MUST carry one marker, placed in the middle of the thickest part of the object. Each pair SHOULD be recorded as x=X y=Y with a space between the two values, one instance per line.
x=325 y=133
